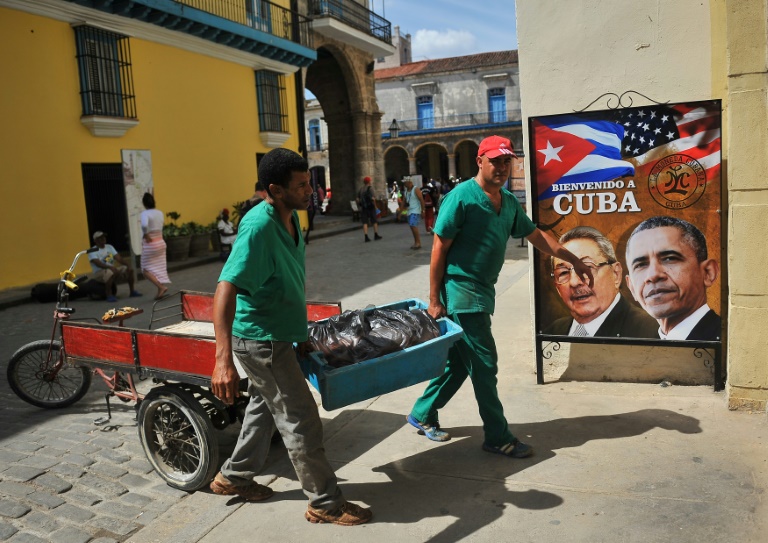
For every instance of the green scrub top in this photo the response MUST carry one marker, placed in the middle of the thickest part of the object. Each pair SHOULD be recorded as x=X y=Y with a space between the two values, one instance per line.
x=267 y=267
x=479 y=237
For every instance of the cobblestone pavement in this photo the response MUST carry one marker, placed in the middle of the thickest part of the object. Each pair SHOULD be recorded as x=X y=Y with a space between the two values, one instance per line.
x=64 y=479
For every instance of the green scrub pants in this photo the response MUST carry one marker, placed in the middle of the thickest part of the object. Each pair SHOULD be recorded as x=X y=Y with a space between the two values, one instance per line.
x=475 y=356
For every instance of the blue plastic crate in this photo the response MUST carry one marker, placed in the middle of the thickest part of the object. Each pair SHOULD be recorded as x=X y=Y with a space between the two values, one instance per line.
x=339 y=387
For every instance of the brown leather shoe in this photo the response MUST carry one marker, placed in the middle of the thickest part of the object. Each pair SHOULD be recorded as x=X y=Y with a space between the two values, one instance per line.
x=349 y=514
x=253 y=492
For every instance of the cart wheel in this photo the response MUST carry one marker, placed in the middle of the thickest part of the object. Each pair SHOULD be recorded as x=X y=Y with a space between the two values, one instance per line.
x=35 y=383
x=178 y=438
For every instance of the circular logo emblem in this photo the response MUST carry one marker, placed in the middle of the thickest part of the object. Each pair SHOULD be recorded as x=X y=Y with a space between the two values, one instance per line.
x=677 y=181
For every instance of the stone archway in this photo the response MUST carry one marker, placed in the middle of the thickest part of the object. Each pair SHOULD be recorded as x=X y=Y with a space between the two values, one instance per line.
x=432 y=162
x=465 y=155
x=346 y=92
x=395 y=164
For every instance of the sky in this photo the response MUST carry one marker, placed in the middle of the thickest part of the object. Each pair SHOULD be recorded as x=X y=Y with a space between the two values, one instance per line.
x=452 y=28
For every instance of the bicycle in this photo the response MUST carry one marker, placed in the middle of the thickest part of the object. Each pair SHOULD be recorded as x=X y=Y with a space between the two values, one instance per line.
x=38 y=372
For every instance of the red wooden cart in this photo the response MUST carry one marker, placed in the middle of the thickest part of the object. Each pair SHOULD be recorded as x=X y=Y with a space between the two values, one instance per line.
x=177 y=420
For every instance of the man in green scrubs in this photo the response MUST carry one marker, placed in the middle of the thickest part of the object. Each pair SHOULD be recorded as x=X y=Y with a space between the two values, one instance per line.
x=476 y=219
x=259 y=312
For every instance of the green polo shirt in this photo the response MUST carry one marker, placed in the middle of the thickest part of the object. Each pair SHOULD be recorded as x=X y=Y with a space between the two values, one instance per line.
x=267 y=267
x=479 y=237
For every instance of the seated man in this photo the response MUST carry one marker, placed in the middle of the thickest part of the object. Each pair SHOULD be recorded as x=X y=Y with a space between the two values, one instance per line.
x=108 y=265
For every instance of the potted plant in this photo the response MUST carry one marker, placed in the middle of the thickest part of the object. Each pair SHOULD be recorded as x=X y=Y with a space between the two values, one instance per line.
x=201 y=238
x=177 y=238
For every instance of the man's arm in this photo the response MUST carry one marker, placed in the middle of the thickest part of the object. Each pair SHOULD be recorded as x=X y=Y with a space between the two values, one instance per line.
x=225 y=381
x=420 y=196
x=548 y=245
x=120 y=260
x=440 y=247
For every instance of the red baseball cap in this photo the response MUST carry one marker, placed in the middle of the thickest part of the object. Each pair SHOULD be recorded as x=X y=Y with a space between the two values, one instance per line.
x=495 y=146
x=367 y=179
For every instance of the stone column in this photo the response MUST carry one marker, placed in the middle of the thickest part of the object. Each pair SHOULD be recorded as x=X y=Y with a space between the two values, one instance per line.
x=411 y=165
x=451 y=165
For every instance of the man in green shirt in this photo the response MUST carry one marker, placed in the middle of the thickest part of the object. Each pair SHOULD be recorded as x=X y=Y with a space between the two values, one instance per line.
x=259 y=312
x=476 y=219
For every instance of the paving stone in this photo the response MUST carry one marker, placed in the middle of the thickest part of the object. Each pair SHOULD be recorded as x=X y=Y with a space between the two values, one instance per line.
x=147 y=517
x=113 y=456
x=68 y=470
x=53 y=482
x=82 y=497
x=163 y=488
x=23 y=537
x=85 y=449
x=117 y=509
x=116 y=526
x=41 y=522
x=45 y=499
x=68 y=434
x=104 y=540
x=42 y=462
x=107 y=442
x=13 y=509
x=58 y=443
x=78 y=460
x=136 y=499
x=75 y=514
x=139 y=465
x=9 y=457
x=52 y=451
x=22 y=473
x=6 y=530
x=23 y=446
x=101 y=486
x=70 y=534
x=135 y=481
x=107 y=470
x=17 y=490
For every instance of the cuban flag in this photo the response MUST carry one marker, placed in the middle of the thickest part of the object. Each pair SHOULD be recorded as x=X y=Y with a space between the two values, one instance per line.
x=570 y=149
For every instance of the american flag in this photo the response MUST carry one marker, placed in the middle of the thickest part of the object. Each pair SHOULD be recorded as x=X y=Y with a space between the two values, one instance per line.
x=690 y=129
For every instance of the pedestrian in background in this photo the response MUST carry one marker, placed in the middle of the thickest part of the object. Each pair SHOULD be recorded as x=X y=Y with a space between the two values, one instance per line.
x=414 y=202
x=471 y=234
x=154 y=265
x=367 y=205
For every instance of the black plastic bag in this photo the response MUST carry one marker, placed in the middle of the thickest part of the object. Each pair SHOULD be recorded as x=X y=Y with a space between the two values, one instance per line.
x=354 y=336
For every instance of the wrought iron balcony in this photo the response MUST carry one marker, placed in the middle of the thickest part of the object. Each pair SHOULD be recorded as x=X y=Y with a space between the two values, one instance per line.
x=233 y=23
x=352 y=23
x=353 y=14
x=446 y=123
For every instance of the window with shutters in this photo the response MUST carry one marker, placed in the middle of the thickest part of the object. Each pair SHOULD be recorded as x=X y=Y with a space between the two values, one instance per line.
x=270 y=94
x=106 y=82
x=497 y=105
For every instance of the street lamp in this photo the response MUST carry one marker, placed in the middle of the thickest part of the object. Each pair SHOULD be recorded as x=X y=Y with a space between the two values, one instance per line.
x=394 y=129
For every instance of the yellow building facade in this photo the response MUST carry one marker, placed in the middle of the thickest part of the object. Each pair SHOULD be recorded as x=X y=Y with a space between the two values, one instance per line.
x=190 y=96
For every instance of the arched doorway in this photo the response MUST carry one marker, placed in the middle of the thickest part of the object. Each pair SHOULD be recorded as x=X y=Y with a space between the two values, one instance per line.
x=432 y=162
x=466 y=155
x=346 y=94
x=395 y=164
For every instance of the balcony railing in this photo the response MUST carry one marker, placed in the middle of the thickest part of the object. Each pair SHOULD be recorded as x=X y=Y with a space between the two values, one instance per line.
x=354 y=15
x=446 y=122
x=261 y=15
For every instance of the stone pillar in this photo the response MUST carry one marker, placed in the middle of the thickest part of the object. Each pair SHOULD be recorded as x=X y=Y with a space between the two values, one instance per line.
x=451 y=165
x=411 y=165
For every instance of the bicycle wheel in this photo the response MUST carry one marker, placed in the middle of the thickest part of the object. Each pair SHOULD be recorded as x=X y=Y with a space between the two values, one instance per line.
x=36 y=382
x=178 y=438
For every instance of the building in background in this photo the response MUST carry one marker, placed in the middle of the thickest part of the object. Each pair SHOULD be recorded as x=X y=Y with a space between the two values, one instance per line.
x=202 y=89
x=317 y=143
x=436 y=112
